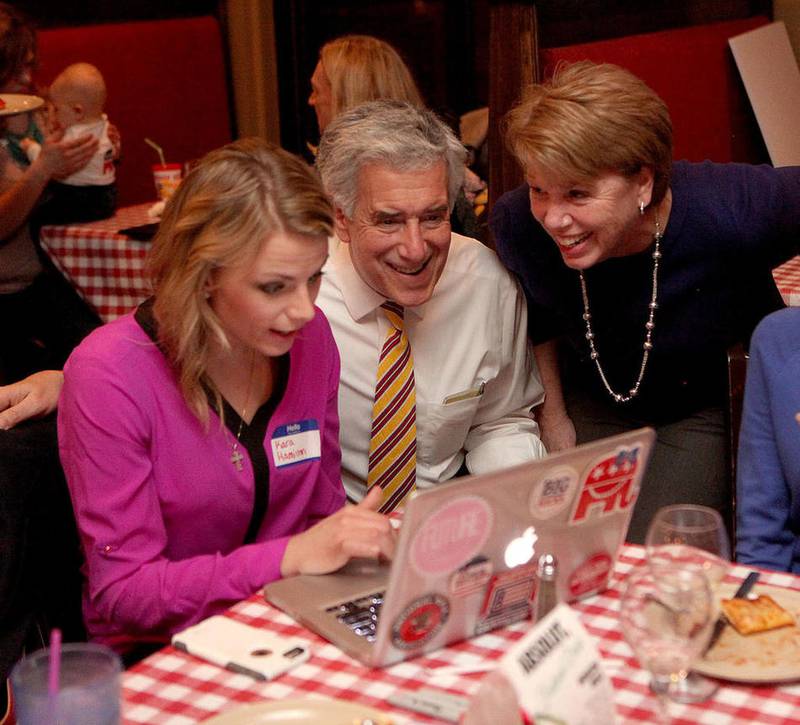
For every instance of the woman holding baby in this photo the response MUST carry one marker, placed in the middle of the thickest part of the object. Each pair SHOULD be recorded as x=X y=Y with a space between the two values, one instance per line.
x=42 y=318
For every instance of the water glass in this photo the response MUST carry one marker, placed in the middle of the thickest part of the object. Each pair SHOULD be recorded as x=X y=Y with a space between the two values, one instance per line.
x=692 y=536
x=89 y=690
x=667 y=620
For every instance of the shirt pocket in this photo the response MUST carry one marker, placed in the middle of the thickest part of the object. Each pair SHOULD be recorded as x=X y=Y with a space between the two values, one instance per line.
x=447 y=426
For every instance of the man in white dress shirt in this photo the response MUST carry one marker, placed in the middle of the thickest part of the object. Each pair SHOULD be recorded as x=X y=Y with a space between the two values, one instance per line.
x=393 y=172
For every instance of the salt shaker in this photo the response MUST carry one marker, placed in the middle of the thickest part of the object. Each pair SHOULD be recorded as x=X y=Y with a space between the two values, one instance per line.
x=546 y=598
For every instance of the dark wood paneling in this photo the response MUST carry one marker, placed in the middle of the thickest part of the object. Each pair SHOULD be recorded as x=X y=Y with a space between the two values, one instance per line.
x=514 y=58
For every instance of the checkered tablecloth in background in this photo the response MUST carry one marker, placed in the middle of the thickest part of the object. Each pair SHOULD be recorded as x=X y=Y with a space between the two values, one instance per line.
x=105 y=267
x=172 y=688
x=787 y=277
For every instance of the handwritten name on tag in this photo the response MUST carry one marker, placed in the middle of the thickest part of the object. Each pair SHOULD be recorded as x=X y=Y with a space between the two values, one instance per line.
x=295 y=443
x=557 y=674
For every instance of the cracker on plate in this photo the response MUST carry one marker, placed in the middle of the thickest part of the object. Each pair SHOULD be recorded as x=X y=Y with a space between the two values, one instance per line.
x=756 y=615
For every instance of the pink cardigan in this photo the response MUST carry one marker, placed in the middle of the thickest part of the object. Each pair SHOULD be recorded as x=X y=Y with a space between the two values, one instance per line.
x=161 y=510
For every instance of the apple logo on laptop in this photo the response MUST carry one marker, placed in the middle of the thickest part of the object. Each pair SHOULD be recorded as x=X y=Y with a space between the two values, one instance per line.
x=520 y=550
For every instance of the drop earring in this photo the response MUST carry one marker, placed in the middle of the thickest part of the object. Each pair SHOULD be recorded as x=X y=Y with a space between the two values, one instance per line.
x=641 y=208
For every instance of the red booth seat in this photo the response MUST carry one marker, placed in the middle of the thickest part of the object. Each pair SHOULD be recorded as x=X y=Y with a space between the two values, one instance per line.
x=166 y=81
x=693 y=70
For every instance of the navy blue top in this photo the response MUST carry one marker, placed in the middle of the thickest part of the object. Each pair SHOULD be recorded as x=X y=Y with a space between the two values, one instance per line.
x=768 y=471
x=729 y=226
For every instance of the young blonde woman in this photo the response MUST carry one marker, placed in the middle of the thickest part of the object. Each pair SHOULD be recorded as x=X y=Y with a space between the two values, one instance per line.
x=199 y=434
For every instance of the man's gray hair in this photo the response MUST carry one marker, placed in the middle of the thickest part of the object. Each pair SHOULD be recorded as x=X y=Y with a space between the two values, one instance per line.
x=392 y=133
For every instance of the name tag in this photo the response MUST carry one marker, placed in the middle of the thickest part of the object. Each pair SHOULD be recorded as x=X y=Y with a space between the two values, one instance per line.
x=295 y=443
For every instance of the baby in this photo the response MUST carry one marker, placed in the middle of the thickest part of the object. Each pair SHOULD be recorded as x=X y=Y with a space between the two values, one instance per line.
x=77 y=98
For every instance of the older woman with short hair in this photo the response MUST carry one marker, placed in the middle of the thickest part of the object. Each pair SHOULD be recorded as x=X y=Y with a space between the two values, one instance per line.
x=199 y=434
x=639 y=273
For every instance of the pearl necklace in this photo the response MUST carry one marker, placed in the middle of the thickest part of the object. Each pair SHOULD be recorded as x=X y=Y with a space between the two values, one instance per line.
x=649 y=326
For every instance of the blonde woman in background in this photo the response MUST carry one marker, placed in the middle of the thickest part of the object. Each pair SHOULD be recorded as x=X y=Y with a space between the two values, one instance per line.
x=355 y=69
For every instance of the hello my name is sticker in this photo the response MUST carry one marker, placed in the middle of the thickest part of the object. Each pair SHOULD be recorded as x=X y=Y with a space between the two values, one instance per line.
x=296 y=443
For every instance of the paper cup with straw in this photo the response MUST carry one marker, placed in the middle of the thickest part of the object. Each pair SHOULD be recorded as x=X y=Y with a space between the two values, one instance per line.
x=70 y=684
x=166 y=176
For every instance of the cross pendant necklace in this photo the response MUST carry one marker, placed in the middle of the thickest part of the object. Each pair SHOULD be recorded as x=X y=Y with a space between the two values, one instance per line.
x=236 y=454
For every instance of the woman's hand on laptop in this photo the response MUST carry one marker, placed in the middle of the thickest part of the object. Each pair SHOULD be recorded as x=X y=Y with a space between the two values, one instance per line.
x=353 y=531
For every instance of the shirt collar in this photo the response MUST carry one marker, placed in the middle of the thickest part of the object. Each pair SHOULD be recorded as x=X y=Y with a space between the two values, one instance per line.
x=359 y=298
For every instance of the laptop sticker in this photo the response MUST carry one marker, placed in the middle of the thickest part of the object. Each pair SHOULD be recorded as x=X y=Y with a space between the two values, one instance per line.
x=451 y=536
x=590 y=576
x=508 y=598
x=552 y=493
x=608 y=487
x=420 y=621
x=471 y=577
x=295 y=443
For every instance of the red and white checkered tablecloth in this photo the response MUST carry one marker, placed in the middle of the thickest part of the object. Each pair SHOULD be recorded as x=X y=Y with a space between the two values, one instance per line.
x=173 y=688
x=787 y=277
x=105 y=267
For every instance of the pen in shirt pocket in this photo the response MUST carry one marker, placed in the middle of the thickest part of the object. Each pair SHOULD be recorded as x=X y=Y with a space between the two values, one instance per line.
x=475 y=392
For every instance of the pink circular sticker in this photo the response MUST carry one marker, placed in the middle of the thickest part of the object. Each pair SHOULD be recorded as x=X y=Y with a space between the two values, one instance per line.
x=451 y=536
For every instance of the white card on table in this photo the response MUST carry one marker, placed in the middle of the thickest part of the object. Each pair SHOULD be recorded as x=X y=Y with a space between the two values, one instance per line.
x=557 y=673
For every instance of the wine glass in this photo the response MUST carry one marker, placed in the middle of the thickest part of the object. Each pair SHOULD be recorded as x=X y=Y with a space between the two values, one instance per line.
x=692 y=537
x=667 y=620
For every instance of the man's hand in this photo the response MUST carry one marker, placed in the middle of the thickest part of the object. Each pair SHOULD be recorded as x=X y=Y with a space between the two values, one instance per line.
x=61 y=158
x=353 y=531
x=33 y=397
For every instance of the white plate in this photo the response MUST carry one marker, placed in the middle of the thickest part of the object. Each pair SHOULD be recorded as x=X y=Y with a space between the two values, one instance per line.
x=300 y=712
x=19 y=103
x=765 y=657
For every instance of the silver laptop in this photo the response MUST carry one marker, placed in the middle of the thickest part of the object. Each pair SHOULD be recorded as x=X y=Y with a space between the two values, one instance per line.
x=467 y=553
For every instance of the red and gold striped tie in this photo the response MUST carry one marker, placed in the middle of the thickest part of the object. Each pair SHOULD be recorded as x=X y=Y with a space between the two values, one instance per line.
x=393 y=445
